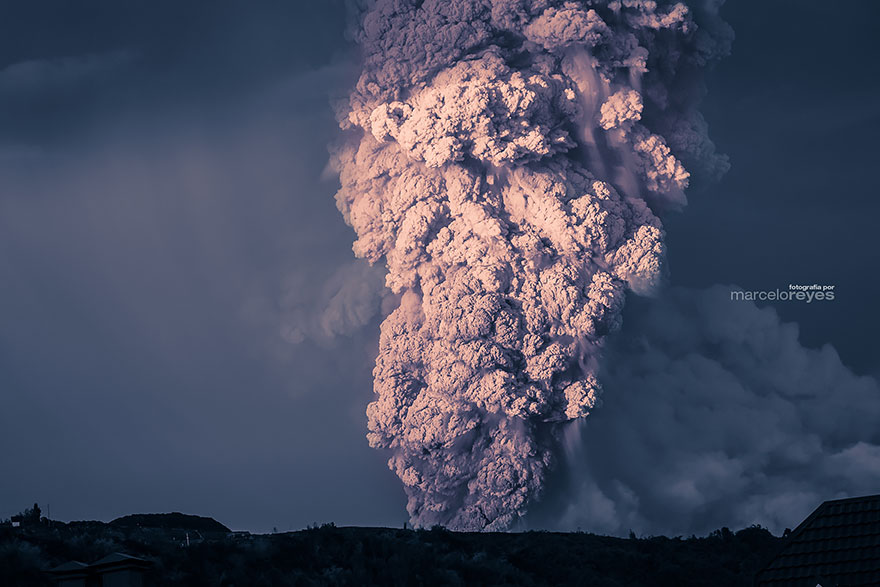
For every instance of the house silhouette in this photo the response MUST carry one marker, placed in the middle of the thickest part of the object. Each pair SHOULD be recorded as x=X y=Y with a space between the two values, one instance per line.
x=114 y=570
x=837 y=545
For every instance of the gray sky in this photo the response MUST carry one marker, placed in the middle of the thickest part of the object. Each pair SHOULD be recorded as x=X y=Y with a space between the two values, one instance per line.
x=796 y=108
x=160 y=182
x=161 y=189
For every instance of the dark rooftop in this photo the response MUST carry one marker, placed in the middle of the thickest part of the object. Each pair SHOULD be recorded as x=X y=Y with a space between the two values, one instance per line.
x=838 y=544
x=118 y=558
x=70 y=567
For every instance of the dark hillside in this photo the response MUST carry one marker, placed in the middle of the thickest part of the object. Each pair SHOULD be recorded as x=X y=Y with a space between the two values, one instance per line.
x=174 y=520
x=381 y=556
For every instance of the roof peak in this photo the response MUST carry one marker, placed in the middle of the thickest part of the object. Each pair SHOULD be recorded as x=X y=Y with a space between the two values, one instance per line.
x=875 y=497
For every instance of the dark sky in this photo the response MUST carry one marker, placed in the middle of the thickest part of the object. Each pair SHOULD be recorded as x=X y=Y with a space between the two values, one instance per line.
x=796 y=108
x=161 y=179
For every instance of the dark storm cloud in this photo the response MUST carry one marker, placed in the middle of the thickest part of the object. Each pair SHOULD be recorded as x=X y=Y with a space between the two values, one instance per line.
x=160 y=168
x=716 y=415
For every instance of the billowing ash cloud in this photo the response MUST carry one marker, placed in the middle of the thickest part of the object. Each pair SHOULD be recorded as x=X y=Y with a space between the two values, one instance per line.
x=505 y=159
x=720 y=418
x=346 y=301
x=309 y=305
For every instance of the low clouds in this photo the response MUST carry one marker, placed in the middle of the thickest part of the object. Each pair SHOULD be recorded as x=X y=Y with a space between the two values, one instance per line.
x=52 y=75
x=716 y=415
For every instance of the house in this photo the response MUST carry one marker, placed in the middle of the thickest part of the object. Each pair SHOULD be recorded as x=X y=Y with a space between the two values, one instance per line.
x=114 y=570
x=71 y=574
x=837 y=545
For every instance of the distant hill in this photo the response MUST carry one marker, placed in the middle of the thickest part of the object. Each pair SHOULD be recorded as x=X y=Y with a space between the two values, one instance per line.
x=172 y=521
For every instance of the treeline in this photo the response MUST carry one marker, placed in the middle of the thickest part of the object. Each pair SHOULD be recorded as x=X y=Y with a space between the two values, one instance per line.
x=328 y=555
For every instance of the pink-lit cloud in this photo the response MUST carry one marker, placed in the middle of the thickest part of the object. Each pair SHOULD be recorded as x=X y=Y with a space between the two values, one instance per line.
x=498 y=163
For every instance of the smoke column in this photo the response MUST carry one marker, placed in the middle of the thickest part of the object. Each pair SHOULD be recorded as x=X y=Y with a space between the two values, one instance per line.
x=507 y=160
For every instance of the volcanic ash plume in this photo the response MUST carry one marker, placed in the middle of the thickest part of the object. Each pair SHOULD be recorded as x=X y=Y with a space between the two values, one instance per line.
x=501 y=159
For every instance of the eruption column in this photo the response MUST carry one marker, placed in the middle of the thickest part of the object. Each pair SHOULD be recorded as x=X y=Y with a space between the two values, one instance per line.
x=497 y=160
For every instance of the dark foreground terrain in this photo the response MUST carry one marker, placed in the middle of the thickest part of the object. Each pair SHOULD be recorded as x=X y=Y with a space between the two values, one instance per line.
x=186 y=550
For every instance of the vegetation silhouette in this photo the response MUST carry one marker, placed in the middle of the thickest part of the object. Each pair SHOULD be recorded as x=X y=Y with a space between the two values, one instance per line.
x=189 y=550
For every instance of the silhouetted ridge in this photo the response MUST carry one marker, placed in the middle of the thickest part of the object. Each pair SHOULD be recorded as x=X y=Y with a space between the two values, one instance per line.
x=174 y=520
